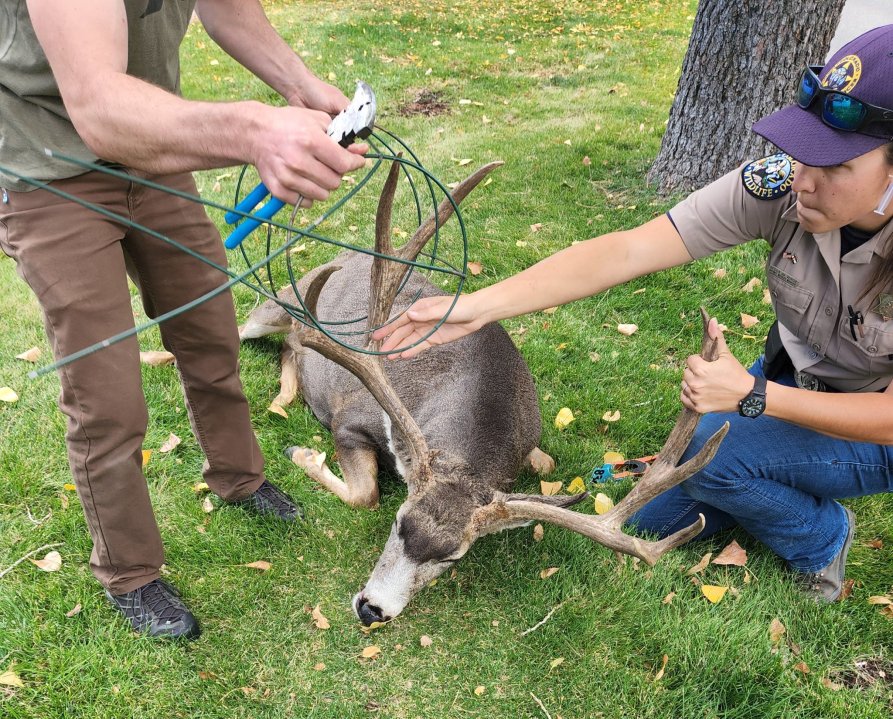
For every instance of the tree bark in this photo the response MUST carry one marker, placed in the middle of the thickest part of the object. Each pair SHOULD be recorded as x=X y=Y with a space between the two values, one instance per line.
x=743 y=61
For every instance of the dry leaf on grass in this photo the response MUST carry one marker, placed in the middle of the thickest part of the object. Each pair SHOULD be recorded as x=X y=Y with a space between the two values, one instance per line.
x=425 y=640
x=719 y=273
x=31 y=355
x=833 y=686
x=319 y=667
x=370 y=652
x=882 y=599
x=8 y=394
x=577 y=486
x=475 y=268
x=733 y=554
x=73 y=611
x=156 y=359
x=613 y=458
x=752 y=284
x=611 y=416
x=319 y=618
x=479 y=689
x=776 y=631
x=563 y=418
x=802 y=667
x=10 y=679
x=549 y=489
x=538 y=533
x=173 y=441
x=52 y=562
x=207 y=505
x=603 y=503
x=147 y=456
x=748 y=321
x=536 y=227
x=669 y=598
x=701 y=565
x=259 y=564
x=627 y=329
x=663 y=666
x=556 y=662
x=277 y=409
x=546 y=573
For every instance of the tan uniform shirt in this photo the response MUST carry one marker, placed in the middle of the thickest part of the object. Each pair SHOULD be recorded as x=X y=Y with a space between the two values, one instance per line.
x=32 y=116
x=810 y=284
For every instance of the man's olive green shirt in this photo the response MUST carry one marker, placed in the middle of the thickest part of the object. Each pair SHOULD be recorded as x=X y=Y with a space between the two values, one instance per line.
x=32 y=115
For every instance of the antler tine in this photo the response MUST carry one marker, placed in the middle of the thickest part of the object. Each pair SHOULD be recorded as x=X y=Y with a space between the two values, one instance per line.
x=368 y=369
x=662 y=475
x=387 y=275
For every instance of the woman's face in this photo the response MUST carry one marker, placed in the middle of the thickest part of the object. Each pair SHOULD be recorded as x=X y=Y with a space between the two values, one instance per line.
x=829 y=198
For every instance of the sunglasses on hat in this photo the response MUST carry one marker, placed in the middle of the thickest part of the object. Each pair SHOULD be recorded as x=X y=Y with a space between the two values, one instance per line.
x=837 y=109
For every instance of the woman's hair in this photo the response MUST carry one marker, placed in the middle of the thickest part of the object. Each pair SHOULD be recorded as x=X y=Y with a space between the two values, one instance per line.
x=882 y=278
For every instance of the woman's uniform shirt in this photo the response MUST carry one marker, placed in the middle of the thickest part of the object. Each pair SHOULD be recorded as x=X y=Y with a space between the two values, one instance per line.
x=811 y=285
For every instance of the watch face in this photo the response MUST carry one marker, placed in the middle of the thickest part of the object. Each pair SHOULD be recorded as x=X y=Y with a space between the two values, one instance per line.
x=752 y=406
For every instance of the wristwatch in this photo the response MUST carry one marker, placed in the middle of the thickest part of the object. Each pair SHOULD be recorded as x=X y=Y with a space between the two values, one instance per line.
x=754 y=404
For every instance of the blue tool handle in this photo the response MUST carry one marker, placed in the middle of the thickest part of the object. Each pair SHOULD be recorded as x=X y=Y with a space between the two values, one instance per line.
x=248 y=203
x=249 y=225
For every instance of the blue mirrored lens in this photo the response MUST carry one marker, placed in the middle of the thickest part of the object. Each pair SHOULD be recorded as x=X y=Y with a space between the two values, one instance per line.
x=807 y=91
x=843 y=112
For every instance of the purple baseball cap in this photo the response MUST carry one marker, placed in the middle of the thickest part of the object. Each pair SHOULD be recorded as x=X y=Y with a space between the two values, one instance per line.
x=862 y=68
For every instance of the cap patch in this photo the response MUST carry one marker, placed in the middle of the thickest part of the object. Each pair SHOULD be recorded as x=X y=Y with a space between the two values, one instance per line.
x=844 y=74
x=769 y=177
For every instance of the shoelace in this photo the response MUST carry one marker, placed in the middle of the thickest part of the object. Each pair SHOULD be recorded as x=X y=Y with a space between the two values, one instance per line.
x=161 y=603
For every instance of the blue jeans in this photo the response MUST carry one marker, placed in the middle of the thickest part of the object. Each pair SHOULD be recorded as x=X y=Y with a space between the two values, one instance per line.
x=778 y=481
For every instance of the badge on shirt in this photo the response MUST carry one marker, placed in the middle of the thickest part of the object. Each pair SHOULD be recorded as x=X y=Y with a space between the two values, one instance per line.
x=769 y=177
x=884 y=306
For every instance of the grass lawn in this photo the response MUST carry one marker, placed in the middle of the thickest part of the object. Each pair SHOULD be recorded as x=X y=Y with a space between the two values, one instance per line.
x=542 y=85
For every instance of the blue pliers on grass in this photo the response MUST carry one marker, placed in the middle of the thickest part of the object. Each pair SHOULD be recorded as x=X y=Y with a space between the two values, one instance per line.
x=354 y=121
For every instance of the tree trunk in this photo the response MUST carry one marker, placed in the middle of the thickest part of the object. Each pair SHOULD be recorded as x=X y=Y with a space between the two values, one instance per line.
x=743 y=61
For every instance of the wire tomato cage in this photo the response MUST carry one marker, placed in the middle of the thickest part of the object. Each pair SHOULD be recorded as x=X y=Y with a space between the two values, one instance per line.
x=269 y=255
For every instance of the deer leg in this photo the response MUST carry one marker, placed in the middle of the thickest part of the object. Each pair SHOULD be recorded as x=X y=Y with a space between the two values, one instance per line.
x=359 y=465
x=540 y=462
x=290 y=379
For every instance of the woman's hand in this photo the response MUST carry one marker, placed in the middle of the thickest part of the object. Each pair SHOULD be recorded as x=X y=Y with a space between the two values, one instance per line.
x=420 y=319
x=715 y=386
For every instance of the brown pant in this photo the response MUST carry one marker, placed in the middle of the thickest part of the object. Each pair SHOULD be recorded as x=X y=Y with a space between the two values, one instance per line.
x=76 y=261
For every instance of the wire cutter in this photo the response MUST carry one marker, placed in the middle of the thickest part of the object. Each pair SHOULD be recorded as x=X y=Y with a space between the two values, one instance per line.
x=354 y=121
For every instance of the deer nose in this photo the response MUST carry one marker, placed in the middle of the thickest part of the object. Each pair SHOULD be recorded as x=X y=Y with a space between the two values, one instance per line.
x=369 y=613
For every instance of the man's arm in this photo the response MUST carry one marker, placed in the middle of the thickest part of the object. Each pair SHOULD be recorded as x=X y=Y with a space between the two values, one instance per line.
x=242 y=29
x=124 y=119
x=578 y=271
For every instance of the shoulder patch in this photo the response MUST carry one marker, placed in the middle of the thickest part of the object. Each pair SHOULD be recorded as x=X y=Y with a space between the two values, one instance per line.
x=769 y=177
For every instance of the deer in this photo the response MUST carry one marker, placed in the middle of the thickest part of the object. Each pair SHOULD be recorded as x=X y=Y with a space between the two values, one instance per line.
x=458 y=422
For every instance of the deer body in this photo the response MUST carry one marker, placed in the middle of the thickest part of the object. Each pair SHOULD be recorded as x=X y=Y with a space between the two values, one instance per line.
x=458 y=422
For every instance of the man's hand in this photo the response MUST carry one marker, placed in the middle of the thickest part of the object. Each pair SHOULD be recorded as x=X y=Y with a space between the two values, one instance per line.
x=420 y=319
x=297 y=159
x=314 y=94
x=715 y=386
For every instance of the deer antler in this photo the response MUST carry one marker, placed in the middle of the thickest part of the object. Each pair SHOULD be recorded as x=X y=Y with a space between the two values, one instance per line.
x=385 y=282
x=662 y=475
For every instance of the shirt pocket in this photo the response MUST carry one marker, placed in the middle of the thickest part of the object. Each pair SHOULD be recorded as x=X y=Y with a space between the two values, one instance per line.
x=791 y=302
x=871 y=353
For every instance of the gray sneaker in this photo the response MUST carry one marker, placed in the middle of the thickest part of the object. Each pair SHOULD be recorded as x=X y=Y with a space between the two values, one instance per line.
x=157 y=610
x=826 y=584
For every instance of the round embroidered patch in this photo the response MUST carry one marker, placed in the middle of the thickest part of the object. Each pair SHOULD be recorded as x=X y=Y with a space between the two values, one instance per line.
x=769 y=177
x=844 y=75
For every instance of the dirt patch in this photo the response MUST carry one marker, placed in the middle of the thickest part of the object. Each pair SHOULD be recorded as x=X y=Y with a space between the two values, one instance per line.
x=425 y=102
x=867 y=672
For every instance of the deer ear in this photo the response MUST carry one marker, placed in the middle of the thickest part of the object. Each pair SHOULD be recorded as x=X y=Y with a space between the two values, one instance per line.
x=495 y=517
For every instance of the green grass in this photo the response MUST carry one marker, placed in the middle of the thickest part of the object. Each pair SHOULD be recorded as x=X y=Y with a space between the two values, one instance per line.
x=597 y=74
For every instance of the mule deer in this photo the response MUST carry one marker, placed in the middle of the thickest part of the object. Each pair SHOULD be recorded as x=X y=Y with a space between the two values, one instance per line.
x=457 y=422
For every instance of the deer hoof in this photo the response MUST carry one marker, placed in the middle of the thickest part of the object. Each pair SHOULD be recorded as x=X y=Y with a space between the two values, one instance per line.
x=306 y=457
x=540 y=462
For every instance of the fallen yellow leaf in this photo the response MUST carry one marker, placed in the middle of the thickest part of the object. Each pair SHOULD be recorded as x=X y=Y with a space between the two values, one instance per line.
x=550 y=488
x=147 y=455
x=475 y=268
x=577 y=486
x=546 y=573
x=603 y=503
x=555 y=662
x=880 y=600
x=713 y=593
x=69 y=487
x=752 y=284
x=611 y=416
x=7 y=394
x=669 y=598
x=563 y=418
x=538 y=533
x=319 y=619
x=10 y=679
x=319 y=667
x=370 y=652
x=200 y=487
x=613 y=458
x=52 y=562
x=479 y=689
